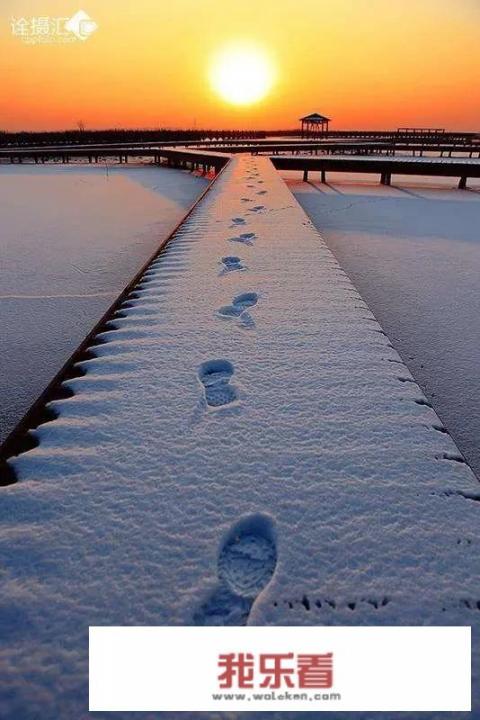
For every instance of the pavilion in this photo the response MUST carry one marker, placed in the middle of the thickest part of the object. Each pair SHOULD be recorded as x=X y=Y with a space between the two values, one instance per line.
x=314 y=124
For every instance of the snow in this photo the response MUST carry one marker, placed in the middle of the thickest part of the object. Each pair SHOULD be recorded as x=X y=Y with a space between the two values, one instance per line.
x=286 y=470
x=71 y=239
x=413 y=252
x=416 y=160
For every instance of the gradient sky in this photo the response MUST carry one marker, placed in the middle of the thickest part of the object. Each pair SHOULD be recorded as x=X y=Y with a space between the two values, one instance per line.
x=364 y=63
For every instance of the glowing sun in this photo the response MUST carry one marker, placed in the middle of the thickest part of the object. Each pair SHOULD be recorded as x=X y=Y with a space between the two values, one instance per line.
x=241 y=75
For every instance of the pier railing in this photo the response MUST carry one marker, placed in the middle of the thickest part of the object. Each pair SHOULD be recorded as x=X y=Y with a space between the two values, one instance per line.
x=385 y=167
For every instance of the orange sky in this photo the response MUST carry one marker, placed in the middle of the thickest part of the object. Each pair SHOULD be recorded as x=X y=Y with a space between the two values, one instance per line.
x=365 y=63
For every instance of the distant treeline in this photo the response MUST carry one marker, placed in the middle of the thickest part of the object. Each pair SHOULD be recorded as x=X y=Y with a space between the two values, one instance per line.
x=82 y=137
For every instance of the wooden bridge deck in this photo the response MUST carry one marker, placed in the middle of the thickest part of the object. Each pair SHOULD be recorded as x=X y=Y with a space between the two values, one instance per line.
x=338 y=157
x=243 y=383
x=203 y=159
x=463 y=168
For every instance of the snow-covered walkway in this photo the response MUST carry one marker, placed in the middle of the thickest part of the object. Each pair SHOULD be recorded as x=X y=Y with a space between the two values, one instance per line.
x=246 y=447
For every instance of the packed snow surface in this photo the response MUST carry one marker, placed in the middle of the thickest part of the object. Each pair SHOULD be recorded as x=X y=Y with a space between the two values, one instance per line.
x=270 y=464
x=71 y=238
x=413 y=252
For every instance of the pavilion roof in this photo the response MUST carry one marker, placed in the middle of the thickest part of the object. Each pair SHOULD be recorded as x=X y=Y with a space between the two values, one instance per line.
x=315 y=117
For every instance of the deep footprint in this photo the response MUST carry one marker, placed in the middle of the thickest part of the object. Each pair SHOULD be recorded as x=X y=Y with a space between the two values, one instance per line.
x=246 y=564
x=248 y=299
x=232 y=263
x=257 y=208
x=245 y=238
x=215 y=376
x=238 y=308
x=238 y=221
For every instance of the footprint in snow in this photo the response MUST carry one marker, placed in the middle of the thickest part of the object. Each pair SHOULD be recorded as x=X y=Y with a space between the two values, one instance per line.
x=231 y=263
x=245 y=238
x=262 y=192
x=238 y=221
x=257 y=208
x=246 y=199
x=246 y=564
x=239 y=308
x=215 y=376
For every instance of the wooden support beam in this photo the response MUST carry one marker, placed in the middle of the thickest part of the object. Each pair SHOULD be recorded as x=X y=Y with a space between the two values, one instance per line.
x=462 y=183
x=305 y=175
x=324 y=176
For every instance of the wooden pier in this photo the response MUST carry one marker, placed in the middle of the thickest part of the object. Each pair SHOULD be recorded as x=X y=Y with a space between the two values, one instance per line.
x=204 y=160
x=323 y=156
x=385 y=167
x=240 y=382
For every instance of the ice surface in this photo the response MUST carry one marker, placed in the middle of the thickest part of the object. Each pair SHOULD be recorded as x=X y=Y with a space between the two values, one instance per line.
x=322 y=463
x=413 y=252
x=71 y=239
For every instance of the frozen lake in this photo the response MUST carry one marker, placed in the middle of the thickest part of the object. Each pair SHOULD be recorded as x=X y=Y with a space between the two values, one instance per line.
x=71 y=239
x=413 y=252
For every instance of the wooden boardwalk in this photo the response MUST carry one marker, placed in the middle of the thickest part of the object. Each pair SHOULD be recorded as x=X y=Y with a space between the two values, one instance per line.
x=461 y=168
x=323 y=157
x=206 y=160
x=241 y=382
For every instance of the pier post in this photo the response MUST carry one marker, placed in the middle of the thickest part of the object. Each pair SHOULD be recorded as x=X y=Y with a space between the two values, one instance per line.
x=324 y=177
x=305 y=175
x=462 y=184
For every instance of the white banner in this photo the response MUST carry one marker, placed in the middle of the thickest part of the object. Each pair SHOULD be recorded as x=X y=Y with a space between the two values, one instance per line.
x=280 y=669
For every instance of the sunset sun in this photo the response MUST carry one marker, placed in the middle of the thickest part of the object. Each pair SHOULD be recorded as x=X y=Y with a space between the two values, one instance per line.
x=241 y=75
